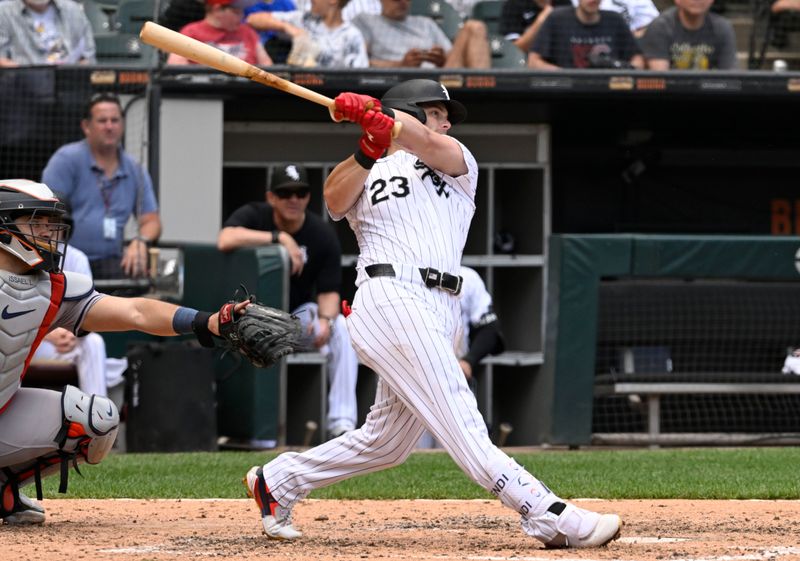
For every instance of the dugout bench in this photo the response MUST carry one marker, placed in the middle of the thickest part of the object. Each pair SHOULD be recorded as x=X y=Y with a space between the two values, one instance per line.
x=307 y=391
x=651 y=387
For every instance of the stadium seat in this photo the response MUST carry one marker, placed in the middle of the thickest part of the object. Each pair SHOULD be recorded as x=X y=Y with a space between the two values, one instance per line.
x=441 y=12
x=506 y=54
x=132 y=14
x=124 y=49
x=98 y=18
x=489 y=12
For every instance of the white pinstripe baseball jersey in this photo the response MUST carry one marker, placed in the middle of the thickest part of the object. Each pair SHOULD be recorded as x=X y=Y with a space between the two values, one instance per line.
x=409 y=217
x=412 y=214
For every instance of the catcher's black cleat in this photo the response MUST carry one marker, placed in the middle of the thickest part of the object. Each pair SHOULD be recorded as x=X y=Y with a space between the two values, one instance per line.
x=20 y=510
x=277 y=521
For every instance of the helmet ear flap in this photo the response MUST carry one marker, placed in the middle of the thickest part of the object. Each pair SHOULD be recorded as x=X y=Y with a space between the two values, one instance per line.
x=407 y=107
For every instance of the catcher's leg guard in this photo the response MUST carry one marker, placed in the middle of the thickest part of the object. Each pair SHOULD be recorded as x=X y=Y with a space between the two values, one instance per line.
x=87 y=433
x=90 y=424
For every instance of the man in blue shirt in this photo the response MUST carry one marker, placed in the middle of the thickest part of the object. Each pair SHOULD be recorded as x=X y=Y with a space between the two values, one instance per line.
x=105 y=187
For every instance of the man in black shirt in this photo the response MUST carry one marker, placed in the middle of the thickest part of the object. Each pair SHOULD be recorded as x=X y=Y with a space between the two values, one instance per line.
x=584 y=37
x=315 y=255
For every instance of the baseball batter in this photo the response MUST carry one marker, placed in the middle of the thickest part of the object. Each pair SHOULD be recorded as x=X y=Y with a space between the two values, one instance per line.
x=410 y=202
x=43 y=431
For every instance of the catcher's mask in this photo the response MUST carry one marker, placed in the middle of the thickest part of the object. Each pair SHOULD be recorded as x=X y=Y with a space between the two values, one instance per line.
x=407 y=97
x=40 y=238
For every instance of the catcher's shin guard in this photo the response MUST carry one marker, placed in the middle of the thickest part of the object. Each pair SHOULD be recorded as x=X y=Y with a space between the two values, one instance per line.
x=87 y=433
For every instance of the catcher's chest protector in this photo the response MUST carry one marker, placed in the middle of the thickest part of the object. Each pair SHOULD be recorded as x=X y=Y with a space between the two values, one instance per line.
x=25 y=301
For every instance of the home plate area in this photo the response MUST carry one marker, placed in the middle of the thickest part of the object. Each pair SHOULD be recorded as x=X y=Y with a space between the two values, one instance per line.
x=480 y=530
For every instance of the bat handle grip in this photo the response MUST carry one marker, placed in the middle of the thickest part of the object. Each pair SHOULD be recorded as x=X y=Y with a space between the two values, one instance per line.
x=396 y=128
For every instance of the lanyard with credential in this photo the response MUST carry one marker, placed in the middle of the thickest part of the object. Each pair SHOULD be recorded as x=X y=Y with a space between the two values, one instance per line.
x=106 y=191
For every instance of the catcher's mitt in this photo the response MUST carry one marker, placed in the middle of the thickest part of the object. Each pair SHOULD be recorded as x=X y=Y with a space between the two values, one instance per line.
x=262 y=334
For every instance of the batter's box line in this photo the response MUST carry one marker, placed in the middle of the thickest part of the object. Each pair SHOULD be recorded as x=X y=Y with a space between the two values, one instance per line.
x=770 y=553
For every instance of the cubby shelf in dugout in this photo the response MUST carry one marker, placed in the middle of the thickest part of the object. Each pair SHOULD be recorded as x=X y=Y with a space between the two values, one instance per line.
x=506 y=244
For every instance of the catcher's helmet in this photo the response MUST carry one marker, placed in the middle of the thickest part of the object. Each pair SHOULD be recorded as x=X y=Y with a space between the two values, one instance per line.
x=407 y=96
x=19 y=197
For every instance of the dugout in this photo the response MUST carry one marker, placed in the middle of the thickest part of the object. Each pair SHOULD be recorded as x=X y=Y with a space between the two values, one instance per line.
x=588 y=152
x=673 y=310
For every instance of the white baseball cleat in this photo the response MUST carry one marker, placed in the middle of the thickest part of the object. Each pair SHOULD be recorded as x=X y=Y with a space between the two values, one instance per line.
x=27 y=511
x=564 y=525
x=277 y=521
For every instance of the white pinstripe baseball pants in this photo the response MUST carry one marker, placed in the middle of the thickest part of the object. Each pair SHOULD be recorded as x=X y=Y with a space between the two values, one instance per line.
x=405 y=332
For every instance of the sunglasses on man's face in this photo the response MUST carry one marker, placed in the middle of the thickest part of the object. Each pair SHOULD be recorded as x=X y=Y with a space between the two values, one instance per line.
x=301 y=193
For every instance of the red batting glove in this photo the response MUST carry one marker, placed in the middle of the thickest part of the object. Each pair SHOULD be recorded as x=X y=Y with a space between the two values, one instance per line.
x=377 y=136
x=352 y=106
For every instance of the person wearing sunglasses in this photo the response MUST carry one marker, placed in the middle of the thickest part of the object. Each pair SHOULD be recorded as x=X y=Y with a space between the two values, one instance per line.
x=316 y=276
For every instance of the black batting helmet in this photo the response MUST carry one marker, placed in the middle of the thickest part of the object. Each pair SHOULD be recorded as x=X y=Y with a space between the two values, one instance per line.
x=407 y=96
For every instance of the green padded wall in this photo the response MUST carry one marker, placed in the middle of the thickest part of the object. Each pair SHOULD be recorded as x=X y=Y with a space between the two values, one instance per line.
x=249 y=403
x=576 y=263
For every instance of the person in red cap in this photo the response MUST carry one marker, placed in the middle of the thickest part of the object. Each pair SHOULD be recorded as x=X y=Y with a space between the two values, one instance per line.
x=224 y=29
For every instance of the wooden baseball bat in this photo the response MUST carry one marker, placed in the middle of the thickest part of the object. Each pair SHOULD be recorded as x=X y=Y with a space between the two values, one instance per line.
x=192 y=49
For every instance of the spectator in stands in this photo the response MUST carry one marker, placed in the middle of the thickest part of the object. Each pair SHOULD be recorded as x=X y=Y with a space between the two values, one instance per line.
x=179 y=13
x=223 y=28
x=785 y=6
x=396 y=39
x=105 y=187
x=350 y=11
x=689 y=37
x=637 y=13
x=96 y=372
x=521 y=20
x=584 y=37
x=276 y=44
x=480 y=332
x=316 y=267
x=44 y=32
x=321 y=37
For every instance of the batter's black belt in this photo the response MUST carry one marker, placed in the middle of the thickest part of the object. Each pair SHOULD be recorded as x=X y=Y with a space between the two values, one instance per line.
x=432 y=278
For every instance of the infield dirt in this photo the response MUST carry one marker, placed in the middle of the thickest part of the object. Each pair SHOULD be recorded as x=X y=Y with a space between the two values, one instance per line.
x=388 y=530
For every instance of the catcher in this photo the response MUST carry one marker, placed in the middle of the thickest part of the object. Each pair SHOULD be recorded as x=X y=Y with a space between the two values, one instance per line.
x=43 y=431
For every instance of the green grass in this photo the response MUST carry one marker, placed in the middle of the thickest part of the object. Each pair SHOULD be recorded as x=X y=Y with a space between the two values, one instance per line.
x=751 y=473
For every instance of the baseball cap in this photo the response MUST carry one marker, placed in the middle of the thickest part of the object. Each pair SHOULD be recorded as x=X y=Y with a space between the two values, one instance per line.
x=287 y=177
x=242 y=4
